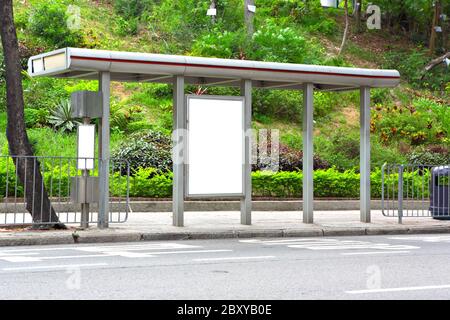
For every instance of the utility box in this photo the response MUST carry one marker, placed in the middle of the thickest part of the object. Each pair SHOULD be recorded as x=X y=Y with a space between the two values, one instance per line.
x=84 y=189
x=86 y=104
x=440 y=193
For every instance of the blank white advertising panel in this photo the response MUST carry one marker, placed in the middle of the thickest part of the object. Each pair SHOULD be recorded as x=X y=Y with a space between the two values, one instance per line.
x=215 y=151
x=86 y=146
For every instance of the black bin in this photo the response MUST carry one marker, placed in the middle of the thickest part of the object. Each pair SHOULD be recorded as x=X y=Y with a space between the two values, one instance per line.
x=440 y=192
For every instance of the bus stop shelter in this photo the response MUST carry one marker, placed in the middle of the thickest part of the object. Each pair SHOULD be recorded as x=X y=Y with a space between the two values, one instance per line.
x=106 y=66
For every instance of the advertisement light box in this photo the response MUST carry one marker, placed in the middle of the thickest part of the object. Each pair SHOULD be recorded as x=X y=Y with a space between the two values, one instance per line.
x=86 y=147
x=215 y=146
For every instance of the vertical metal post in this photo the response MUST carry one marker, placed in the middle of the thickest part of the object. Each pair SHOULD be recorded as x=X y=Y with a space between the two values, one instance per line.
x=178 y=154
x=246 y=201
x=99 y=129
x=103 y=212
x=308 y=149
x=364 y=162
x=400 y=194
x=85 y=206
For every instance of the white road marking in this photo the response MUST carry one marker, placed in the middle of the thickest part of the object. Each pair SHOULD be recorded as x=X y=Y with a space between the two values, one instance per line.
x=423 y=238
x=234 y=258
x=331 y=244
x=128 y=247
x=372 y=252
x=398 y=289
x=192 y=251
x=104 y=253
x=55 y=266
x=2 y=254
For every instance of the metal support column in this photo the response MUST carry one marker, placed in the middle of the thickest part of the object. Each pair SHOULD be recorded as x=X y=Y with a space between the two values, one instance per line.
x=246 y=201
x=85 y=206
x=103 y=210
x=365 y=154
x=178 y=152
x=308 y=149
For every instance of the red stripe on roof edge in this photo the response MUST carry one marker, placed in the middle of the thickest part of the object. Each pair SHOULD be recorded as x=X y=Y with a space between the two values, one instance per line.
x=231 y=67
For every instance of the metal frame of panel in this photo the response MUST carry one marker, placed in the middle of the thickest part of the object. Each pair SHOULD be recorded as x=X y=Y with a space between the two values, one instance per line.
x=214 y=97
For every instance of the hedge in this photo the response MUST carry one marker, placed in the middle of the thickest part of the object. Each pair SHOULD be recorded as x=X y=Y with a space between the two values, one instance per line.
x=147 y=182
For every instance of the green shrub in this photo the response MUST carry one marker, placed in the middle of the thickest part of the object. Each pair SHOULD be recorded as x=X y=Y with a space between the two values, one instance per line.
x=280 y=104
x=122 y=117
x=149 y=149
x=290 y=159
x=410 y=64
x=274 y=43
x=132 y=8
x=219 y=44
x=150 y=182
x=423 y=122
x=438 y=155
x=36 y=118
x=42 y=93
x=48 y=21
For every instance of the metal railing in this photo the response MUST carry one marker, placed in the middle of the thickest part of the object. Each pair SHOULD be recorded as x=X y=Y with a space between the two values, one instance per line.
x=22 y=206
x=415 y=190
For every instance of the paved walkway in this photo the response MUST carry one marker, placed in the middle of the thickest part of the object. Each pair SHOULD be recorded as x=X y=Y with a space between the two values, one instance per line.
x=224 y=224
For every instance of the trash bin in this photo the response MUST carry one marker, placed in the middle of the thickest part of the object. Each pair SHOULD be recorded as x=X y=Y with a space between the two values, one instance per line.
x=440 y=192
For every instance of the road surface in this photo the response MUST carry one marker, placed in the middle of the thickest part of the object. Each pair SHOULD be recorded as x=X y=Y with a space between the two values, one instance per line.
x=370 y=267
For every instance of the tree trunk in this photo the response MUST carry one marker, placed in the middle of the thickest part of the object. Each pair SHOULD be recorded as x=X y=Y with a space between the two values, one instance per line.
x=344 y=38
x=27 y=167
x=358 y=11
x=436 y=13
x=248 y=17
x=435 y=62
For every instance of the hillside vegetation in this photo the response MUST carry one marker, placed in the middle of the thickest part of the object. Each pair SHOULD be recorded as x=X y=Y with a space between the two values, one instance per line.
x=410 y=123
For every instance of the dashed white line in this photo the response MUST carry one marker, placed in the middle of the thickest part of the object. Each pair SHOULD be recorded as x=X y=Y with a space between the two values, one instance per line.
x=398 y=289
x=234 y=258
x=55 y=266
x=372 y=252
x=191 y=251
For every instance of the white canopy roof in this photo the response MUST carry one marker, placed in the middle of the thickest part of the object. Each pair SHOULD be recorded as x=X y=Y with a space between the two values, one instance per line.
x=145 y=67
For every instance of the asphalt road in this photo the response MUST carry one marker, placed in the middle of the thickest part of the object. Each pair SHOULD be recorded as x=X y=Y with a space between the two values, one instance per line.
x=372 y=267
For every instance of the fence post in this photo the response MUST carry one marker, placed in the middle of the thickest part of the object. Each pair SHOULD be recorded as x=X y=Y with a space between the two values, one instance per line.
x=400 y=194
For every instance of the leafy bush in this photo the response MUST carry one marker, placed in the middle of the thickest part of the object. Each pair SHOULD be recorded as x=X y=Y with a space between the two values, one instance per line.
x=150 y=149
x=219 y=44
x=340 y=149
x=61 y=117
x=289 y=159
x=274 y=43
x=281 y=104
x=179 y=23
x=423 y=122
x=433 y=155
x=36 y=118
x=48 y=21
x=150 y=182
x=410 y=64
x=122 y=117
x=132 y=9
x=37 y=94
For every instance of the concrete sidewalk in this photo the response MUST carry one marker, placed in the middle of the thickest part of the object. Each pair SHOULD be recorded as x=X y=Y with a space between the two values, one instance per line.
x=225 y=224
